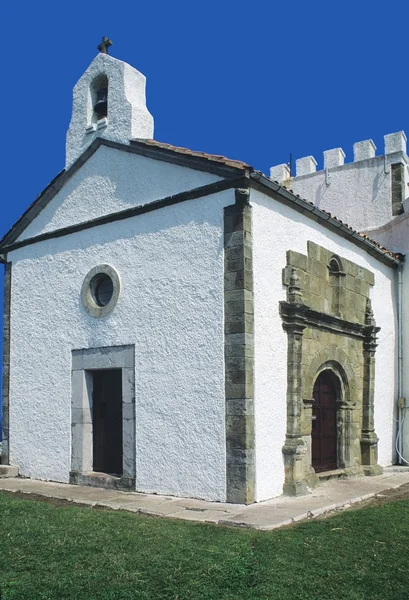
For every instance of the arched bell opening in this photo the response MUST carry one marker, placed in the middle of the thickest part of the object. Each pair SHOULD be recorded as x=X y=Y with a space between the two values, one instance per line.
x=99 y=98
x=324 y=430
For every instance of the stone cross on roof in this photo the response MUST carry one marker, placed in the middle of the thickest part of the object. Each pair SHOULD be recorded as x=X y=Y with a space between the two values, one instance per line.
x=104 y=45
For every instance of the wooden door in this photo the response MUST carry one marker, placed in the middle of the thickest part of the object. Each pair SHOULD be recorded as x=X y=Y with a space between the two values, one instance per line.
x=107 y=421
x=324 y=423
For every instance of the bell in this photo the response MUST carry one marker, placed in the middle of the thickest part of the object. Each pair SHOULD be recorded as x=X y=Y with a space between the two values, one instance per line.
x=101 y=105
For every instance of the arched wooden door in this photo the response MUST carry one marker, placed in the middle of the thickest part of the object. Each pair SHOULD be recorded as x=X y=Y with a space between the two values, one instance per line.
x=324 y=422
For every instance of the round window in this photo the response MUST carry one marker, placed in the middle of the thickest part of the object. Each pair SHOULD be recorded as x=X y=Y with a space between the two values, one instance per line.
x=100 y=291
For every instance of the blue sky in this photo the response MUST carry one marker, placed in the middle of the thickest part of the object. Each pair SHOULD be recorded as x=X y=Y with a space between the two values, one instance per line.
x=253 y=81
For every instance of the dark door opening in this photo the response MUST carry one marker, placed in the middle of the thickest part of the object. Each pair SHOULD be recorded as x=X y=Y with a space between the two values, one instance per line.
x=107 y=421
x=324 y=422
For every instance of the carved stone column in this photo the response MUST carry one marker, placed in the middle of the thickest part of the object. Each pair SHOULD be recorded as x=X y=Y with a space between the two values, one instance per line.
x=294 y=449
x=369 y=439
x=345 y=439
x=310 y=477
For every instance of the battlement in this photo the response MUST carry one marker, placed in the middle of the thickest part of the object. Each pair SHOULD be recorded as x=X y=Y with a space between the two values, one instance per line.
x=364 y=150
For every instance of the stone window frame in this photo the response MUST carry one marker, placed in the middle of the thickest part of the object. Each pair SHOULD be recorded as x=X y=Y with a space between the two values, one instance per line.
x=335 y=259
x=83 y=363
x=337 y=278
x=88 y=302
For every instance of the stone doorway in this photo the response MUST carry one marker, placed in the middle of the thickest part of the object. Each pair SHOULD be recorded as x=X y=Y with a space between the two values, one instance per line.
x=330 y=327
x=107 y=421
x=103 y=418
x=324 y=422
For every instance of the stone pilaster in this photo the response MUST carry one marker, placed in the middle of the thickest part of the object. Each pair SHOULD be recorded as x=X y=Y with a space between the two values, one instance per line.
x=397 y=188
x=239 y=351
x=5 y=456
x=347 y=451
x=310 y=477
x=369 y=439
x=294 y=448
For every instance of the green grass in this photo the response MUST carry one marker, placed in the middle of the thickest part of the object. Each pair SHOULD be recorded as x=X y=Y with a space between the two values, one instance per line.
x=78 y=553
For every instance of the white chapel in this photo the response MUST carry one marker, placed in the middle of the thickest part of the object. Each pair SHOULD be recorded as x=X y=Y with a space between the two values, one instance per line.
x=179 y=323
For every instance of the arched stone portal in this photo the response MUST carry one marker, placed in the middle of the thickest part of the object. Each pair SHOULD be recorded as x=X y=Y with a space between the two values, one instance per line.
x=339 y=339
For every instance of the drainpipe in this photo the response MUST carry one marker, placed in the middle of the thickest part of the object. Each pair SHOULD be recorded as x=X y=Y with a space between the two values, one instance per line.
x=401 y=399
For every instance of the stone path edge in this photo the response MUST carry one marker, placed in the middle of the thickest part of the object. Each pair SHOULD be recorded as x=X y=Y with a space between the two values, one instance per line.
x=108 y=505
x=211 y=512
x=328 y=510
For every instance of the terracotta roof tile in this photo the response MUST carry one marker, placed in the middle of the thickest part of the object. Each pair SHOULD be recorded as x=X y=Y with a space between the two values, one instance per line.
x=238 y=164
x=397 y=255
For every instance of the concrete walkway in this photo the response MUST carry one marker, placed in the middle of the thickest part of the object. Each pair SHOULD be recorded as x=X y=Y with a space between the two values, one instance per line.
x=272 y=514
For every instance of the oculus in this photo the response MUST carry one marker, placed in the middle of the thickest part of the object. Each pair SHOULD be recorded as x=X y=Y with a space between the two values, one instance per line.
x=100 y=291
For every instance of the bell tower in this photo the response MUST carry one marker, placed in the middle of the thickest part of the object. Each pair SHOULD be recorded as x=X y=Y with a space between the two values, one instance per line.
x=108 y=101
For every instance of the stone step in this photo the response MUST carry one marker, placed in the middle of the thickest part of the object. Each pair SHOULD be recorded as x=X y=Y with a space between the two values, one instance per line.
x=8 y=471
x=331 y=475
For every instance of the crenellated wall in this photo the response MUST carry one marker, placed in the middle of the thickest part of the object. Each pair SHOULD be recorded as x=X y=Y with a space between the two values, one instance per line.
x=366 y=193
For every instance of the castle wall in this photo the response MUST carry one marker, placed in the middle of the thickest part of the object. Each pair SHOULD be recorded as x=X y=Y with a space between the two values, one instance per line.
x=365 y=193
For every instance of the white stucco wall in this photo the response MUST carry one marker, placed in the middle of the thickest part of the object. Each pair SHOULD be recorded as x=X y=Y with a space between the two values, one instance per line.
x=395 y=235
x=276 y=229
x=358 y=193
x=113 y=180
x=170 y=263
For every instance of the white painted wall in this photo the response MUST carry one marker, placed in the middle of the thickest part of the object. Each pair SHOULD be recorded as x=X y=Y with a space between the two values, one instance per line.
x=113 y=180
x=170 y=262
x=276 y=229
x=395 y=235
